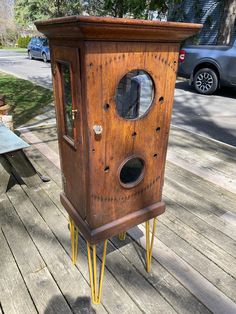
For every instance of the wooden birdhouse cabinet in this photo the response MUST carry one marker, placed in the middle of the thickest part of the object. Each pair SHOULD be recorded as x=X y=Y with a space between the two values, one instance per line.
x=113 y=84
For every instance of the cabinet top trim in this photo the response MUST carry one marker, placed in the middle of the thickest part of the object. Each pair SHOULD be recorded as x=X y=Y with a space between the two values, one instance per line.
x=117 y=29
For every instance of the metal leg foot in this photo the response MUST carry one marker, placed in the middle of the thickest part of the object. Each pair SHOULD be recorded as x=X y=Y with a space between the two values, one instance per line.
x=122 y=236
x=74 y=235
x=149 y=245
x=96 y=291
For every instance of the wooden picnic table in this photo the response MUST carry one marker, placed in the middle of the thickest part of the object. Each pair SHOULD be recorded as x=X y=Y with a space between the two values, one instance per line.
x=13 y=160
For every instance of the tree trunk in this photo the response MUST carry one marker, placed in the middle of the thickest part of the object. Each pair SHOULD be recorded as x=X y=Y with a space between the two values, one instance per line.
x=120 y=8
x=227 y=22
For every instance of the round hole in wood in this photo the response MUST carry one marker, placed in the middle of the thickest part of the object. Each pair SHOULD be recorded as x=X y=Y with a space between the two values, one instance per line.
x=131 y=172
x=158 y=129
x=134 y=94
x=106 y=107
x=134 y=134
x=107 y=168
x=154 y=155
x=161 y=100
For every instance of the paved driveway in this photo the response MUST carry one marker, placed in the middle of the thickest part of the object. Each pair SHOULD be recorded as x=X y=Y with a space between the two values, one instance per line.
x=19 y=65
x=211 y=116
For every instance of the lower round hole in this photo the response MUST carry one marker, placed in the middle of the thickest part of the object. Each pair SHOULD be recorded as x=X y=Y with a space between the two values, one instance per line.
x=155 y=155
x=132 y=172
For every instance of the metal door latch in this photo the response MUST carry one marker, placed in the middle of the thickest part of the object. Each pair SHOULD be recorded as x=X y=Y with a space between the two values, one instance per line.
x=74 y=112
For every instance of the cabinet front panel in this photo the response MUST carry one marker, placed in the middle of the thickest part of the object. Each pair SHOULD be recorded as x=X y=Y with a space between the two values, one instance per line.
x=127 y=137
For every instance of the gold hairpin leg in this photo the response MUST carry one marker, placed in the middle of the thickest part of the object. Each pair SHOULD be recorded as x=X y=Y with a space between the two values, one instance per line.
x=96 y=291
x=122 y=236
x=74 y=236
x=149 y=245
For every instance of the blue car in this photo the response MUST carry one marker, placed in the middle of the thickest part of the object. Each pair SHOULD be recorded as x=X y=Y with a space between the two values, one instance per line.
x=38 y=49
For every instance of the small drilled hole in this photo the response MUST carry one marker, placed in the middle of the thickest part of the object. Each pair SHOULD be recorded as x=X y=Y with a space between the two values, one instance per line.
x=93 y=150
x=106 y=107
x=134 y=134
x=155 y=156
x=161 y=100
x=106 y=169
x=158 y=129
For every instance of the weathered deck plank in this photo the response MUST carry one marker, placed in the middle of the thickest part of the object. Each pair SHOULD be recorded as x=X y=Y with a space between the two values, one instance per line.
x=197 y=158
x=207 y=173
x=53 y=187
x=207 y=293
x=170 y=288
x=58 y=262
x=144 y=294
x=214 y=235
x=49 y=167
x=198 y=205
x=111 y=302
x=40 y=145
x=14 y=296
x=213 y=273
x=200 y=243
x=183 y=138
x=39 y=281
x=220 y=197
x=198 y=150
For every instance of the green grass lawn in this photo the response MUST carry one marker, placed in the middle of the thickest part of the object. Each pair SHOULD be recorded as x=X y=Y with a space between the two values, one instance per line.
x=25 y=98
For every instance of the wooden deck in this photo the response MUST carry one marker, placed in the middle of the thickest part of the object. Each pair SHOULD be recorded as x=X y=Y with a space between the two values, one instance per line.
x=193 y=267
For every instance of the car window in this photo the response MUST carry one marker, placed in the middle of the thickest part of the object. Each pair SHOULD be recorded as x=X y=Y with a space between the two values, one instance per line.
x=44 y=41
x=33 y=40
x=36 y=41
x=41 y=41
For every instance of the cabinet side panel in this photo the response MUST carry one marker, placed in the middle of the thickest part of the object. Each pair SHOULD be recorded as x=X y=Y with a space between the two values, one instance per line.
x=71 y=147
x=169 y=91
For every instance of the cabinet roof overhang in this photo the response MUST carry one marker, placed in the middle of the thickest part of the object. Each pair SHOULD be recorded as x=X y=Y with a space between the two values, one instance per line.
x=115 y=29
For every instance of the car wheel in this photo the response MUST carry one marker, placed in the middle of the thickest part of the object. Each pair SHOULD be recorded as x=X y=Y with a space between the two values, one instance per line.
x=30 y=55
x=44 y=57
x=205 y=81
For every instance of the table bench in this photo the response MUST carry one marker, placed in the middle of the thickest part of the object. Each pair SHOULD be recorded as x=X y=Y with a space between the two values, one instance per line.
x=14 y=162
